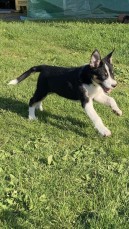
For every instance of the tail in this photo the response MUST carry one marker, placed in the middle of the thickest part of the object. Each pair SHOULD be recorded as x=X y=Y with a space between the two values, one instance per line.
x=26 y=74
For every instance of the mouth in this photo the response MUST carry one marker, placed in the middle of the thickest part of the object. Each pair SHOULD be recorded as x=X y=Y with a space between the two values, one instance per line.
x=106 y=90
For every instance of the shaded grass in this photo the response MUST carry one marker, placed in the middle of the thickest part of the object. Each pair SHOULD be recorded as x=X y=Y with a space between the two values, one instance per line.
x=58 y=172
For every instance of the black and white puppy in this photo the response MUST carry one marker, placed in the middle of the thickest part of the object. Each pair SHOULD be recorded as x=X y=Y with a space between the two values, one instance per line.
x=85 y=83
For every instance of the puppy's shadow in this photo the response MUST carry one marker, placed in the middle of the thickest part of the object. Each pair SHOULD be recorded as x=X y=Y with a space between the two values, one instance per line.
x=58 y=121
x=14 y=106
x=13 y=218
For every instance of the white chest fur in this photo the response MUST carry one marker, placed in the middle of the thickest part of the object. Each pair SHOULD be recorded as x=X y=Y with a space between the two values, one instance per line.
x=92 y=90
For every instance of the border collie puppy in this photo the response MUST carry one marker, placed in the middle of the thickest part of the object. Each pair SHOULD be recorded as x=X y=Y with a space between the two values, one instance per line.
x=86 y=83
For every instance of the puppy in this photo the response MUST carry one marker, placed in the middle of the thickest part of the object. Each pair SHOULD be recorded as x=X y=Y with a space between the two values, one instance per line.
x=86 y=83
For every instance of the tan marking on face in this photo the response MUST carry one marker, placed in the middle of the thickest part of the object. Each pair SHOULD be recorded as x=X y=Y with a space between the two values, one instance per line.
x=96 y=79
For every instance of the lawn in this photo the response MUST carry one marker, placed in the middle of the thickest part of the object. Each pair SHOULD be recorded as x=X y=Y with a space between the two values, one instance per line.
x=58 y=172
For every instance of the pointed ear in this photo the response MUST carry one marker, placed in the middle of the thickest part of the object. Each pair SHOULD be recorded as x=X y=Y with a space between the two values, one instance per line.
x=95 y=59
x=108 y=58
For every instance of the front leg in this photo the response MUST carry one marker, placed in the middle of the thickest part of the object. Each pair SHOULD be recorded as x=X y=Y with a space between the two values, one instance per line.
x=90 y=111
x=109 y=101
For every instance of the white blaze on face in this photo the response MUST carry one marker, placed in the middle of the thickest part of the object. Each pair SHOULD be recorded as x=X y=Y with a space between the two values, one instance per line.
x=109 y=82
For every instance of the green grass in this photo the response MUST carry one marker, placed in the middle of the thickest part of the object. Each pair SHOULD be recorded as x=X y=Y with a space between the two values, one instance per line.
x=58 y=172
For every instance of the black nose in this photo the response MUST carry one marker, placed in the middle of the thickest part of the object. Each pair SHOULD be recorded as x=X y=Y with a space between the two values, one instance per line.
x=114 y=85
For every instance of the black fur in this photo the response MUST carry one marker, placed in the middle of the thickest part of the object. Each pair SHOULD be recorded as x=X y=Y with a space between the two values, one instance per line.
x=68 y=82
x=85 y=83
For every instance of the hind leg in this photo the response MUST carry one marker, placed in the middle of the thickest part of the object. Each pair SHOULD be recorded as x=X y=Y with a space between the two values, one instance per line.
x=39 y=106
x=35 y=102
x=32 y=113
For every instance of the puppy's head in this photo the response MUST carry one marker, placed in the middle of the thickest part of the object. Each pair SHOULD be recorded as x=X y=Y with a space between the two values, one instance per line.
x=102 y=70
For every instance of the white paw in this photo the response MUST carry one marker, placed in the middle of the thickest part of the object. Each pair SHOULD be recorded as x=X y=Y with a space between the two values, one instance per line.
x=32 y=117
x=118 y=112
x=41 y=108
x=104 y=131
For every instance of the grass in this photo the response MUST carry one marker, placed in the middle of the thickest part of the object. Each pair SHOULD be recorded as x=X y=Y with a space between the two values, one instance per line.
x=58 y=172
